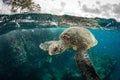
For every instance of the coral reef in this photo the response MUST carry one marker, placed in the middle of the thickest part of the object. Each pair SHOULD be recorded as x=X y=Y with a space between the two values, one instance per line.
x=103 y=63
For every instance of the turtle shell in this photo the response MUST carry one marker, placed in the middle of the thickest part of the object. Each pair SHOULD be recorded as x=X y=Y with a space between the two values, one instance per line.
x=78 y=38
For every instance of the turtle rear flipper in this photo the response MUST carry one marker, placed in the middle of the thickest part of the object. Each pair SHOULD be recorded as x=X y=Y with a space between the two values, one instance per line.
x=85 y=65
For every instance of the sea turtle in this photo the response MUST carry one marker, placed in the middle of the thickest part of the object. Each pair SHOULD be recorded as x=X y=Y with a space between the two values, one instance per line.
x=79 y=39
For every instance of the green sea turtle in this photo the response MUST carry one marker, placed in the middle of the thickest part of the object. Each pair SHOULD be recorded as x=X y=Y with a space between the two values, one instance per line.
x=79 y=39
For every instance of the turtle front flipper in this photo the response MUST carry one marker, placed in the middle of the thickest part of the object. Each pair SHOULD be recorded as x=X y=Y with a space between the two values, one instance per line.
x=45 y=46
x=85 y=65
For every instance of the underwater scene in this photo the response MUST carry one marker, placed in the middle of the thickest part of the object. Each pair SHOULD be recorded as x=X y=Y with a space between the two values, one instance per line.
x=21 y=58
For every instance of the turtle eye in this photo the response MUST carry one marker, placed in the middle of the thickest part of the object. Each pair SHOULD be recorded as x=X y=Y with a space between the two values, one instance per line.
x=55 y=49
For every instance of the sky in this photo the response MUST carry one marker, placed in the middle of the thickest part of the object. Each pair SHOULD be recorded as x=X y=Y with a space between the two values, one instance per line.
x=81 y=8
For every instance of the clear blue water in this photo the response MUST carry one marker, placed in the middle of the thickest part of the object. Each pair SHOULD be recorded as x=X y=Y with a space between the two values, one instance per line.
x=22 y=59
x=109 y=41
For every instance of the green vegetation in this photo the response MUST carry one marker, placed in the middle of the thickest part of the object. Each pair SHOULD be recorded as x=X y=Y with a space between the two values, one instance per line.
x=28 y=5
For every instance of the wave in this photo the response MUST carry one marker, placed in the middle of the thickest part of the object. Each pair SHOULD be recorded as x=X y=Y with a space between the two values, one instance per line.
x=34 y=20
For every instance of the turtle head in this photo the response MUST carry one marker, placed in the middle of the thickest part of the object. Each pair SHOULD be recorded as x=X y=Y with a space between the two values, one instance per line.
x=56 y=48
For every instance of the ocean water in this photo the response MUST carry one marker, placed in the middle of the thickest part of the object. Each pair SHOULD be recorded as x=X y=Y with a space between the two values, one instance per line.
x=22 y=59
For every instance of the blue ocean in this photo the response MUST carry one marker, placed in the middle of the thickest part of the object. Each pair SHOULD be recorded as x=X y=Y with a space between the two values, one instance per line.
x=22 y=59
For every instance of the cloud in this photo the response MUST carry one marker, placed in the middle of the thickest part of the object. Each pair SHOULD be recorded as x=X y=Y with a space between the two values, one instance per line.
x=97 y=2
x=116 y=9
x=106 y=7
x=111 y=9
x=90 y=10
x=63 y=4
x=79 y=3
x=107 y=10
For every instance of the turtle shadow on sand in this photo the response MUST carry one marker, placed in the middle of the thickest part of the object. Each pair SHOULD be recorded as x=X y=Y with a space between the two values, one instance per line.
x=80 y=40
